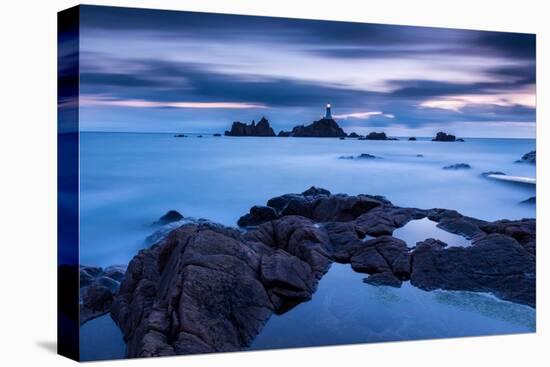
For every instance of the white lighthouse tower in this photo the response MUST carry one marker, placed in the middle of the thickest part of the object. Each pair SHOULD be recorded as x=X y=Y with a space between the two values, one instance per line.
x=328 y=114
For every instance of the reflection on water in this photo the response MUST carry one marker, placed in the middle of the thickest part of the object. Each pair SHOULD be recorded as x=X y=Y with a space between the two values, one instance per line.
x=421 y=229
x=344 y=310
x=101 y=338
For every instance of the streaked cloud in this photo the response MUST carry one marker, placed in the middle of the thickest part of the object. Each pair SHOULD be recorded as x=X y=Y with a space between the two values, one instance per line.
x=363 y=115
x=88 y=101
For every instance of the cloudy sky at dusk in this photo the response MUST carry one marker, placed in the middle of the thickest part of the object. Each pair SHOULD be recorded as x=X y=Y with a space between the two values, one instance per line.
x=144 y=70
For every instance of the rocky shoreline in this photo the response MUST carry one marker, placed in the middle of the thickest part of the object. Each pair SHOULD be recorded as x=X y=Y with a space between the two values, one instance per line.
x=208 y=288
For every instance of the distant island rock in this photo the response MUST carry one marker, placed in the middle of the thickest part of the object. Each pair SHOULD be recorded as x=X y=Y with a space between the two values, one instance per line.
x=241 y=129
x=323 y=128
x=180 y=136
x=354 y=135
x=530 y=157
x=377 y=136
x=412 y=138
x=441 y=136
x=283 y=134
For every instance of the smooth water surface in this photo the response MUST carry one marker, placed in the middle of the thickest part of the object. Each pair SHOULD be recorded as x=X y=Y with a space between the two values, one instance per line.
x=100 y=338
x=344 y=310
x=128 y=180
x=421 y=229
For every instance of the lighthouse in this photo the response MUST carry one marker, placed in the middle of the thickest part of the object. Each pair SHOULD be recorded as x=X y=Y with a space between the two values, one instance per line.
x=328 y=114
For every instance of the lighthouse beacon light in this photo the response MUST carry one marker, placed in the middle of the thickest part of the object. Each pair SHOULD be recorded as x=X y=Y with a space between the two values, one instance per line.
x=328 y=114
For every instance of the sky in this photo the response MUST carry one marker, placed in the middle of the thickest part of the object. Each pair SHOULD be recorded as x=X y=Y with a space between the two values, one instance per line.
x=165 y=71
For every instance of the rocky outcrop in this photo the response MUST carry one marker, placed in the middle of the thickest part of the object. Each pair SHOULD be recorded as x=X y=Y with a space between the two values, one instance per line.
x=241 y=129
x=323 y=128
x=495 y=263
x=441 y=136
x=530 y=157
x=209 y=288
x=412 y=138
x=283 y=134
x=354 y=135
x=97 y=289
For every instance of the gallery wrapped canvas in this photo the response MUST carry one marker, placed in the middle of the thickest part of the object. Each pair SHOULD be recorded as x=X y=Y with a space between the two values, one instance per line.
x=230 y=183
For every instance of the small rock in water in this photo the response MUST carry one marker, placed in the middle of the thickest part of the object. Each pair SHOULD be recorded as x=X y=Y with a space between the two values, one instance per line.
x=530 y=157
x=412 y=138
x=531 y=200
x=169 y=217
x=458 y=166
x=360 y=156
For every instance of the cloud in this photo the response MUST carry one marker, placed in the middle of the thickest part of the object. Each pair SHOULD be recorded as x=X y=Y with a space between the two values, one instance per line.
x=87 y=101
x=363 y=115
x=159 y=66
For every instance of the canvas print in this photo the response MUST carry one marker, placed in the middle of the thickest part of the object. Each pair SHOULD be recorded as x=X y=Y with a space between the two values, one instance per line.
x=233 y=183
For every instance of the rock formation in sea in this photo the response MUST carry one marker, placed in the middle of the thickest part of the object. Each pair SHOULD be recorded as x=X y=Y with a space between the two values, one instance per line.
x=412 y=138
x=209 y=288
x=441 y=136
x=323 y=128
x=262 y=128
x=530 y=157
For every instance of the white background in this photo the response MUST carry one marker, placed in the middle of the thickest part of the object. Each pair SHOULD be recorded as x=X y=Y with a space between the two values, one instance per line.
x=28 y=182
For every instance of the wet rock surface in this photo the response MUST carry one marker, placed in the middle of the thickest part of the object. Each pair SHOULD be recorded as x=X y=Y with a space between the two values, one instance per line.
x=209 y=288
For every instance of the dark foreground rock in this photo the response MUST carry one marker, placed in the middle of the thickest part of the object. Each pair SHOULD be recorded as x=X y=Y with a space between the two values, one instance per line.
x=530 y=157
x=261 y=129
x=495 y=263
x=323 y=128
x=209 y=288
x=97 y=289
